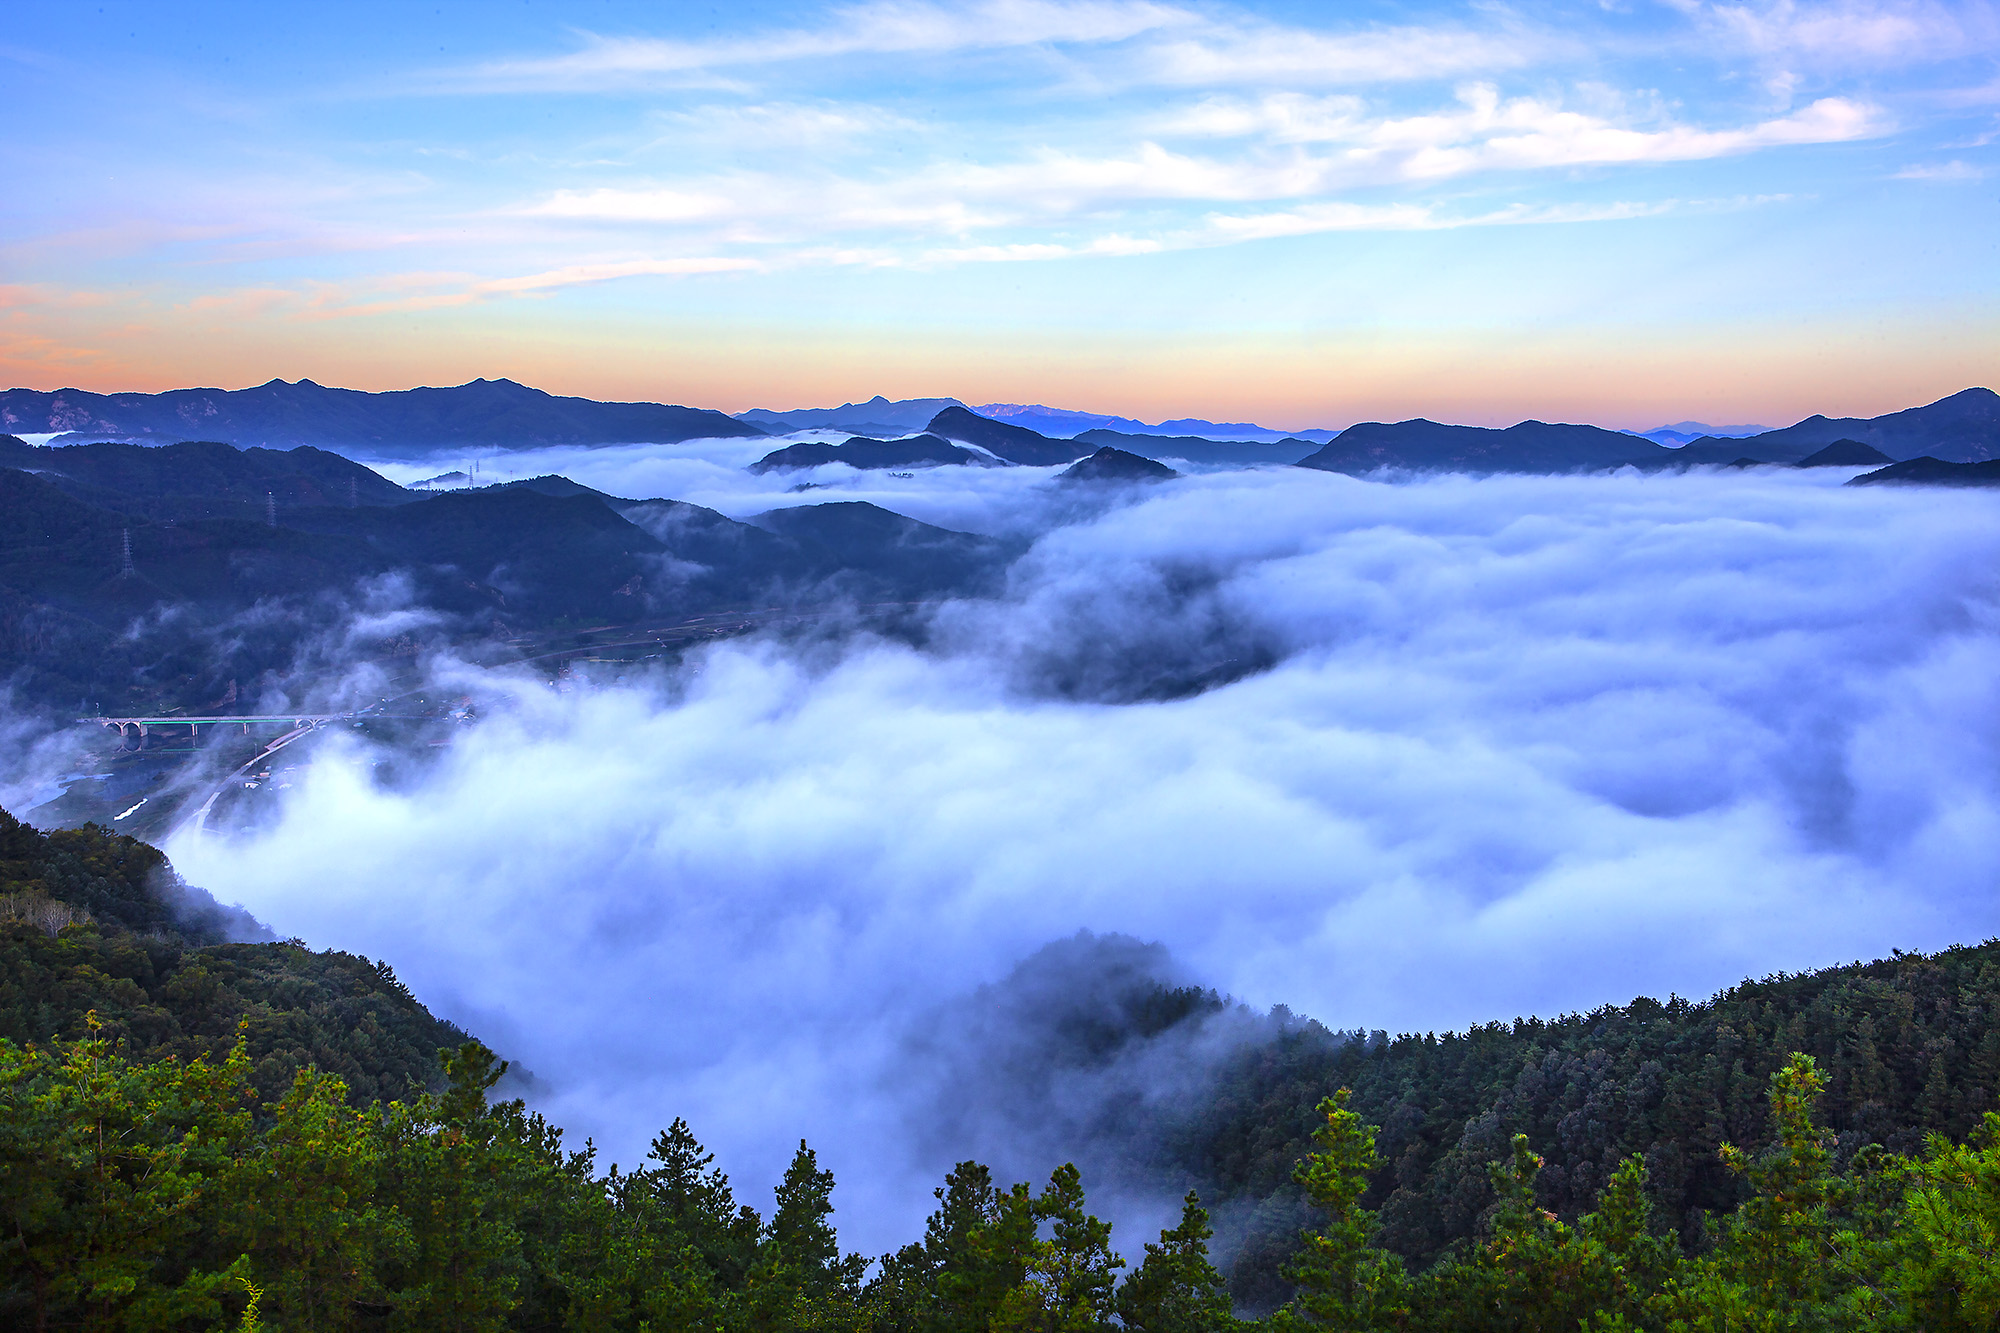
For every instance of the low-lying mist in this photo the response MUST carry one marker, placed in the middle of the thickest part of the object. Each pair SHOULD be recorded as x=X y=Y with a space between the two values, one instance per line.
x=1403 y=756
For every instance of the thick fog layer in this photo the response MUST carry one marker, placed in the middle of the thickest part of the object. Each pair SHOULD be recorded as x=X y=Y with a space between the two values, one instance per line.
x=1458 y=750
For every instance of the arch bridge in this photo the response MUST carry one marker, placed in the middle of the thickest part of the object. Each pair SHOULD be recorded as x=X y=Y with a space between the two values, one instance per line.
x=133 y=732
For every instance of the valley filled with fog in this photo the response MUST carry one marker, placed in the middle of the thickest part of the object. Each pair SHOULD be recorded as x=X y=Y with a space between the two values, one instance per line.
x=1402 y=755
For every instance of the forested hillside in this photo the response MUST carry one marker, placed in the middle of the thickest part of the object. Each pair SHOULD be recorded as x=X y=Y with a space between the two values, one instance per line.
x=186 y=577
x=93 y=923
x=198 y=1134
x=1908 y=1046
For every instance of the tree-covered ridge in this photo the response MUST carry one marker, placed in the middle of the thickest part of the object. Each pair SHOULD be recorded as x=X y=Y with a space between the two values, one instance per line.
x=1907 y=1046
x=95 y=922
x=199 y=1134
x=166 y=1195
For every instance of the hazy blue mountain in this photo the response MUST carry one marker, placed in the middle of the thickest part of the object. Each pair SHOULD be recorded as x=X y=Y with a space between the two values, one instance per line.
x=877 y=416
x=548 y=555
x=550 y=484
x=1927 y=471
x=408 y=423
x=1016 y=444
x=201 y=479
x=1196 y=449
x=1531 y=446
x=861 y=452
x=444 y=481
x=875 y=554
x=69 y=554
x=1963 y=428
x=881 y=417
x=1846 y=453
x=1707 y=452
x=1115 y=465
x=1058 y=421
x=1238 y=430
x=1680 y=432
x=88 y=569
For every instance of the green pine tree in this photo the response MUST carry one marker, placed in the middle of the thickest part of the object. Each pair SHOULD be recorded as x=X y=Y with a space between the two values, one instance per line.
x=1343 y=1282
x=1176 y=1289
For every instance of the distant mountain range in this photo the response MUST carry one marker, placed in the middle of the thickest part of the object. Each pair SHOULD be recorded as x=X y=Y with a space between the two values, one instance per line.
x=413 y=422
x=256 y=551
x=881 y=417
x=998 y=443
x=201 y=479
x=1061 y=421
x=877 y=416
x=1428 y=446
x=490 y=414
x=1197 y=449
x=861 y=451
x=1963 y=428
x=1680 y=432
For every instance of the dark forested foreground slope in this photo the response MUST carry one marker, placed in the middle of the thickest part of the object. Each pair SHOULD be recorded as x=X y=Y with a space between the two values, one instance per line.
x=1908 y=1046
x=95 y=923
x=203 y=1135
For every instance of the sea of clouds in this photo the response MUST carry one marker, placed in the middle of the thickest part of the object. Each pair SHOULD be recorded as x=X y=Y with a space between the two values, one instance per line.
x=1471 y=748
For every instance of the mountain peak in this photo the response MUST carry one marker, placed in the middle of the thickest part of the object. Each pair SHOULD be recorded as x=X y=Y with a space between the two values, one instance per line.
x=1016 y=444
x=1111 y=464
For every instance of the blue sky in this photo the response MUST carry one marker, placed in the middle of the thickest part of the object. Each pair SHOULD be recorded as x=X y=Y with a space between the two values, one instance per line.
x=1300 y=214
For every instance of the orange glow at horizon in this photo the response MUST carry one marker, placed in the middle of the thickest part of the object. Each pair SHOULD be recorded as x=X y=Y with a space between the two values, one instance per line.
x=1631 y=377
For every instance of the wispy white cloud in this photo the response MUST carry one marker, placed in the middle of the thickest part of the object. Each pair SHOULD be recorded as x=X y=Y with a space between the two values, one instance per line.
x=1138 y=43
x=390 y=293
x=1263 y=53
x=1849 y=33
x=780 y=125
x=1533 y=130
x=894 y=27
x=1315 y=148
x=575 y=275
x=610 y=204
x=1526 y=133
x=1039 y=130
x=1224 y=229
x=1308 y=219
x=1947 y=173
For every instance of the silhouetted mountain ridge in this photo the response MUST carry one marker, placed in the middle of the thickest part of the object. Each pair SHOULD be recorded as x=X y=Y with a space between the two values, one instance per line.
x=1110 y=464
x=877 y=416
x=1016 y=444
x=1929 y=471
x=201 y=478
x=491 y=413
x=99 y=598
x=1963 y=427
x=1846 y=453
x=1199 y=449
x=1423 y=445
x=862 y=452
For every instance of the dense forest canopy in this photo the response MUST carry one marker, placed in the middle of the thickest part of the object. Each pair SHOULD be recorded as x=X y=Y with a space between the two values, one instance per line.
x=196 y=1133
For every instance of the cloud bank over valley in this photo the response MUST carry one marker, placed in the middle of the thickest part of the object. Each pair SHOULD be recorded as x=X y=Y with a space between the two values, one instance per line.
x=1402 y=756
